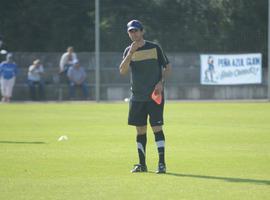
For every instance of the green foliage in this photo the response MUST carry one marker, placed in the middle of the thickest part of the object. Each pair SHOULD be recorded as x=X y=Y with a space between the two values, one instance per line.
x=179 y=25
x=53 y=25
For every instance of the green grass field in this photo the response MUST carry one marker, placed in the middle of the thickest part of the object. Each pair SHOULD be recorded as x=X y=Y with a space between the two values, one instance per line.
x=214 y=151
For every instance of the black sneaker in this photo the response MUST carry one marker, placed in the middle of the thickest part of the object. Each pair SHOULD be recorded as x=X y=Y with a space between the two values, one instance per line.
x=161 y=168
x=139 y=168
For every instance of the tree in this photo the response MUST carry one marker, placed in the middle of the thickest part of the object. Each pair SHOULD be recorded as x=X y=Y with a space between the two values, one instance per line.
x=37 y=25
x=179 y=25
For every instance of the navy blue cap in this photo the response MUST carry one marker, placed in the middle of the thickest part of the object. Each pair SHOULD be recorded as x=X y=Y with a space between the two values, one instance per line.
x=134 y=24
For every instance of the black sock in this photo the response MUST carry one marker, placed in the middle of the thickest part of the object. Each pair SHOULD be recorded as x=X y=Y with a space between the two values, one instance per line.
x=160 y=141
x=141 y=144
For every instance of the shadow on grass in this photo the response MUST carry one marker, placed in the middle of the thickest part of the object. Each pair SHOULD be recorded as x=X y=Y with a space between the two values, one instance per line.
x=20 y=142
x=228 y=179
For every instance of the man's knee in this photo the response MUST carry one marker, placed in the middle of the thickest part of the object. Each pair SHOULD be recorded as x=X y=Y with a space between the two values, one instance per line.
x=156 y=129
x=141 y=130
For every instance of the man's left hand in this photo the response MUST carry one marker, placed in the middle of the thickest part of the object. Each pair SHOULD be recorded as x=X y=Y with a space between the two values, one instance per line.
x=159 y=87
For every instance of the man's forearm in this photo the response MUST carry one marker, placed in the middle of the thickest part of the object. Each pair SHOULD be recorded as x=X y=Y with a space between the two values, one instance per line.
x=124 y=66
x=166 y=72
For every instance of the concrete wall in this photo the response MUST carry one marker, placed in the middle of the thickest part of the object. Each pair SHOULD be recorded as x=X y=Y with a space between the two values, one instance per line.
x=184 y=82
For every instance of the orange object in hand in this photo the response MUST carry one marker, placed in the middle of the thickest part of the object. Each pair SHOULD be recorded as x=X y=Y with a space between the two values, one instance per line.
x=157 y=97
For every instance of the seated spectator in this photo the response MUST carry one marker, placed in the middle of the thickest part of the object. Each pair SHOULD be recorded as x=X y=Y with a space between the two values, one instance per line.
x=77 y=79
x=35 y=82
x=8 y=72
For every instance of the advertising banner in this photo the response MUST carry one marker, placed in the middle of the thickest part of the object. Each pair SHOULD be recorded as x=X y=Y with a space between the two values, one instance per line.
x=231 y=69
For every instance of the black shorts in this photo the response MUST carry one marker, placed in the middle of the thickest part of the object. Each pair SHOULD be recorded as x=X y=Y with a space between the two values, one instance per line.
x=139 y=111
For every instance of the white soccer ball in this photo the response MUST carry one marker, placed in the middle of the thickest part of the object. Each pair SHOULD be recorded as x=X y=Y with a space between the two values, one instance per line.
x=62 y=138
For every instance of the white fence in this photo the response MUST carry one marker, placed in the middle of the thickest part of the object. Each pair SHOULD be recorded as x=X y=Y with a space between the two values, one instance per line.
x=184 y=82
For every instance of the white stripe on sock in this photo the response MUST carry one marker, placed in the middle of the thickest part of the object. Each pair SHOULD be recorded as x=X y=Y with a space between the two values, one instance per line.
x=140 y=146
x=160 y=143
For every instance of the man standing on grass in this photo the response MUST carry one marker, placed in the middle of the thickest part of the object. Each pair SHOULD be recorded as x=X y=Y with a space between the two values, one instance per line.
x=148 y=65
x=8 y=73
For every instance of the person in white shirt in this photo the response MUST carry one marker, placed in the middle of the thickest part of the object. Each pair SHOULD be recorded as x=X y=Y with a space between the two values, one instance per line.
x=35 y=82
x=67 y=60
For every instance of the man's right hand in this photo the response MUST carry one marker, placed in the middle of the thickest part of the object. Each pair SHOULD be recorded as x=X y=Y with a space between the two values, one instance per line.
x=124 y=66
x=134 y=46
